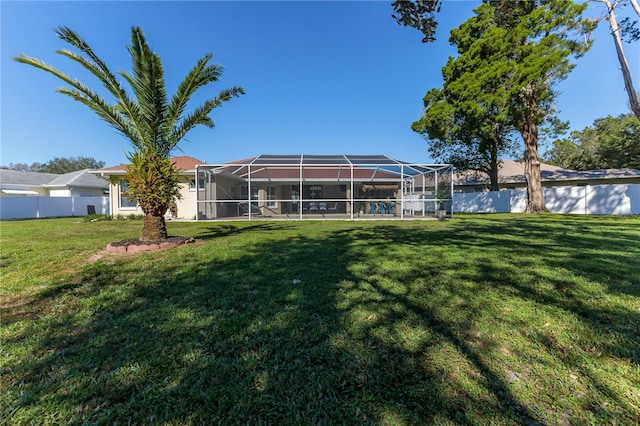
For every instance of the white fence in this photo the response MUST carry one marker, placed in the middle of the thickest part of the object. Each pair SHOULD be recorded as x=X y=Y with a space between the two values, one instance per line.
x=38 y=207
x=589 y=199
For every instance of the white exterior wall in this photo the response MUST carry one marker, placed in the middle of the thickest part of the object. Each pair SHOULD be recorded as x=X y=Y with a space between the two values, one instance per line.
x=76 y=192
x=482 y=202
x=61 y=193
x=18 y=207
x=39 y=207
x=589 y=199
x=613 y=199
x=40 y=190
x=566 y=199
x=87 y=192
x=186 y=206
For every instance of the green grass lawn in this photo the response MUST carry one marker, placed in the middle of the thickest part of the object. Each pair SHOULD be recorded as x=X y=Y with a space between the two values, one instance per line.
x=496 y=319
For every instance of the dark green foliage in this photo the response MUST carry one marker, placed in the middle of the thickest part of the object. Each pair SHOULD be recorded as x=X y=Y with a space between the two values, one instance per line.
x=629 y=29
x=152 y=181
x=97 y=217
x=466 y=123
x=611 y=142
x=419 y=14
x=23 y=167
x=70 y=164
x=60 y=165
x=511 y=56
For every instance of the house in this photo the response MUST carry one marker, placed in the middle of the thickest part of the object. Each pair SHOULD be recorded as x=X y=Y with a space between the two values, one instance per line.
x=75 y=184
x=121 y=205
x=511 y=176
x=307 y=186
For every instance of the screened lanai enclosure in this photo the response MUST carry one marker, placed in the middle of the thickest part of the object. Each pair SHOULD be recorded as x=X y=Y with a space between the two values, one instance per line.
x=323 y=186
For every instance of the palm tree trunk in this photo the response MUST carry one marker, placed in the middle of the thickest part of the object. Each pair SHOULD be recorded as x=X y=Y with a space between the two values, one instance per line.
x=154 y=228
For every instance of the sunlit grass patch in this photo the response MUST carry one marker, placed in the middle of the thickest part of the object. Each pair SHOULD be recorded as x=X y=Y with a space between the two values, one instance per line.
x=501 y=319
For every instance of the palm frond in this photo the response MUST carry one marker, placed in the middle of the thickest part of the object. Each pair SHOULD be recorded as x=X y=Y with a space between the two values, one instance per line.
x=96 y=66
x=148 y=120
x=126 y=104
x=147 y=82
x=113 y=117
x=200 y=115
x=186 y=88
x=106 y=112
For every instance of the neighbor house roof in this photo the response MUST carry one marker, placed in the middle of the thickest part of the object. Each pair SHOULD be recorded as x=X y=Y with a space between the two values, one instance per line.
x=80 y=178
x=183 y=163
x=25 y=178
x=513 y=172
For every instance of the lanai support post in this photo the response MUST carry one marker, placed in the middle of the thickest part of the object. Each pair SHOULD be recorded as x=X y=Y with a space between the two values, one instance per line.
x=249 y=190
x=402 y=191
x=451 y=169
x=352 y=190
x=197 y=195
x=435 y=191
x=300 y=187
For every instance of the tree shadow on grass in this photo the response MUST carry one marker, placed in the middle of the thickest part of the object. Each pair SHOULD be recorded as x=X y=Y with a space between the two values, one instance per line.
x=362 y=338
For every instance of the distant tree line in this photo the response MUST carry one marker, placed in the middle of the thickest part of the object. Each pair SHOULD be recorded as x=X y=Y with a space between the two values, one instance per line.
x=610 y=143
x=59 y=165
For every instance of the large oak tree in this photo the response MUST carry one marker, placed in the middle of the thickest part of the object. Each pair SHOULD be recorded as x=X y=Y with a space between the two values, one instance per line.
x=527 y=46
x=466 y=123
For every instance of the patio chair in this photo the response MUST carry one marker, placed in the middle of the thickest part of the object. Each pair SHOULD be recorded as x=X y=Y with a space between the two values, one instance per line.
x=381 y=207
x=333 y=208
x=313 y=207
x=392 y=207
x=322 y=207
x=373 y=207
x=387 y=207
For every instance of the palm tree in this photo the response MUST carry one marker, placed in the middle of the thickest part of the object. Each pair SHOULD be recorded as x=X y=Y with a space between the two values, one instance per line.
x=153 y=125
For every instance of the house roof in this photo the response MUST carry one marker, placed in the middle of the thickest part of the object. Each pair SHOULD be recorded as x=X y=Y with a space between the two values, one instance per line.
x=312 y=159
x=80 y=178
x=25 y=178
x=183 y=163
x=513 y=172
x=323 y=167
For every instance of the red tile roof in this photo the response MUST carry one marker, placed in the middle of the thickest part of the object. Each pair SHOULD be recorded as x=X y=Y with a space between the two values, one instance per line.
x=309 y=172
x=182 y=163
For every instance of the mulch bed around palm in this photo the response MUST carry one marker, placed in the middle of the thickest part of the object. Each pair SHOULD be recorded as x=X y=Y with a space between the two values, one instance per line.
x=136 y=245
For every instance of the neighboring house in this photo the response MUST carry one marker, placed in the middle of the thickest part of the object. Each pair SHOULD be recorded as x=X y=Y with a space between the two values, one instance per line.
x=75 y=184
x=316 y=186
x=511 y=176
x=121 y=205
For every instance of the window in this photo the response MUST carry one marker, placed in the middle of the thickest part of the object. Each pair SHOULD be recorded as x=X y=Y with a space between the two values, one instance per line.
x=125 y=202
x=244 y=192
x=312 y=192
x=192 y=185
x=271 y=197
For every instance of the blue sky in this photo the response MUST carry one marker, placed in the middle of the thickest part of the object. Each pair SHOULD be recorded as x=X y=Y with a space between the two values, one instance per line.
x=321 y=77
